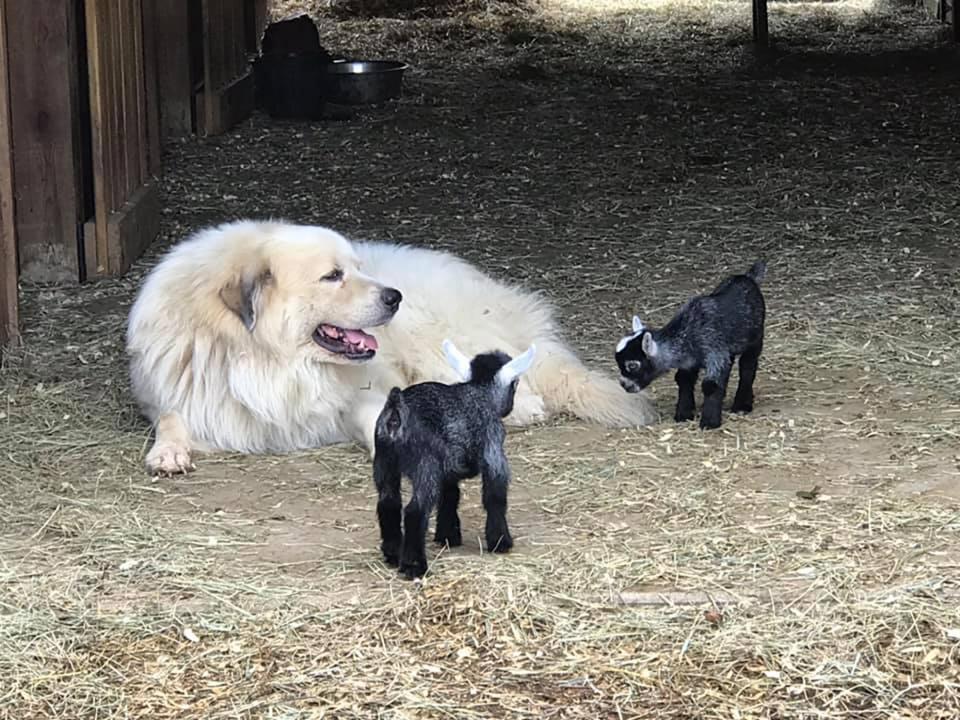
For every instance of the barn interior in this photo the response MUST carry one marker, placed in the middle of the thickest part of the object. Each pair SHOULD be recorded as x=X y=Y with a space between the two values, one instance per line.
x=618 y=155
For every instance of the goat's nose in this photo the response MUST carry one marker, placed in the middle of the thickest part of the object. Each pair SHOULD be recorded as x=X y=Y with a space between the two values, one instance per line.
x=391 y=298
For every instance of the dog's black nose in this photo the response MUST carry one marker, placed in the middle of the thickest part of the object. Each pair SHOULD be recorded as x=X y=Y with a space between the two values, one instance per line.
x=391 y=298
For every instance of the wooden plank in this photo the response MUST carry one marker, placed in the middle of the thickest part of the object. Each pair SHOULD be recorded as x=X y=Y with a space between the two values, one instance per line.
x=229 y=106
x=140 y=93
x=208 y=8
x=133 y=227
x=261 y=19
x=113 y=106
x=127 y=92
x=100 y=122
x=43 y=86
x=152 y=87
x=9 y=305
x=170 y=33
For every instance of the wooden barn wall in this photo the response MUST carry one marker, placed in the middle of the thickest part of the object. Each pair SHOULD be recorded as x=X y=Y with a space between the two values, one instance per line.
x=227 y=78
x=44 y=99
x=125 y=132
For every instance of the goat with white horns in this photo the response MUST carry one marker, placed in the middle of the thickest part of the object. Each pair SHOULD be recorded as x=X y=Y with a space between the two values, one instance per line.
x=437 y=435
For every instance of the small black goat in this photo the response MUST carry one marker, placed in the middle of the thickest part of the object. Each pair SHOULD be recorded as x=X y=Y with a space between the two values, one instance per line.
x=707 y=334
x=437 y=435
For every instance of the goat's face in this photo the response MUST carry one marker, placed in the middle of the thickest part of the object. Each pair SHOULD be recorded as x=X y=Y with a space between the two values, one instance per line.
x=637 y=357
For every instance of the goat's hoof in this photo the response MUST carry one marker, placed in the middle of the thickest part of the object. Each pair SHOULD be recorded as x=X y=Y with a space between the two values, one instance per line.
x=452 y=538
x=709 y=423
x=501 y=544
x=683 y=416
x=391 y=560
x=412 y=570
x=743 y=407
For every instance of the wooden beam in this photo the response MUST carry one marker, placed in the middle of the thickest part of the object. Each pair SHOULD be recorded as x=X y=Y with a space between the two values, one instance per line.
x=761 y=31
x=43 y=85
x=151 y=85
x=228 y=106
x=9 y=317
x=133 y=227
x=95 y=243
x=171 y=31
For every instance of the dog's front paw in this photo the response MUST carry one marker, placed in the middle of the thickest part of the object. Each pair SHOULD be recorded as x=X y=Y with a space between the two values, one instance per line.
x=167 y=459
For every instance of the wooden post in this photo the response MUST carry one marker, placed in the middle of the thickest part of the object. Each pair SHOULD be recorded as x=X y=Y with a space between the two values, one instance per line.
x=171 y=36
x=761 y=32
x=43 y=84
x=152 y=85
x=9 y=322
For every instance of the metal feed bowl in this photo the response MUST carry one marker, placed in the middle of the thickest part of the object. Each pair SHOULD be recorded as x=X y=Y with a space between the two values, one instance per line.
x=363 y=82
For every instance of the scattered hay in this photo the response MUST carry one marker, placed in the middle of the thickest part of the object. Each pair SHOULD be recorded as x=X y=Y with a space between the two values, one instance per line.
x=619 y=159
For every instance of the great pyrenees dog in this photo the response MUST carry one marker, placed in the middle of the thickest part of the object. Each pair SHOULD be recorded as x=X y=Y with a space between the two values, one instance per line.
x=269 y=337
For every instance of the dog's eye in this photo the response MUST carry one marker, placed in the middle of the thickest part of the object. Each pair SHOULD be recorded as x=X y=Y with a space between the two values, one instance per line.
x=333 y=276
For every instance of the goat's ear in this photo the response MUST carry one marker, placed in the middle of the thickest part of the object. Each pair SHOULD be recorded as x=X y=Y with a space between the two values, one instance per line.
x=244 y=295
x=516 y=367
x=458 y=361
x=637 y=324
x=649 y=345
x=394 y=411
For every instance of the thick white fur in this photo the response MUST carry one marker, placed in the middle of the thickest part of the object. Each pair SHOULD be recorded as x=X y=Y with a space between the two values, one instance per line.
x=207 y=383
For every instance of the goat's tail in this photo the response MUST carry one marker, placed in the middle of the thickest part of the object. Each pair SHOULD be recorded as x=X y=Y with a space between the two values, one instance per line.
x=757 y=271
x=566 y=385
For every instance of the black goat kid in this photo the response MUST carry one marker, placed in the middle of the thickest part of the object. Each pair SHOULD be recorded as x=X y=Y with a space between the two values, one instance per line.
x=437 y=435
x=707 y=334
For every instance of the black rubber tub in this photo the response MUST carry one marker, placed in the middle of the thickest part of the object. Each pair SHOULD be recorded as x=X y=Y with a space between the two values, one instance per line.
x=363 y=82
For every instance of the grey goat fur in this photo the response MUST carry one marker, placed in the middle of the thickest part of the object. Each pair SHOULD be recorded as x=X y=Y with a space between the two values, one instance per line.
x=437 y=435
x=707 y=334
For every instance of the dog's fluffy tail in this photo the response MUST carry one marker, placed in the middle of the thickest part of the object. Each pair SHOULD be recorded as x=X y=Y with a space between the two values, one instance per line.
x=566 y=385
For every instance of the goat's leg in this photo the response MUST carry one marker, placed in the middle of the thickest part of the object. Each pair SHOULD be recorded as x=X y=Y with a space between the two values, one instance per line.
x=743 y=400
x=426 y=485
x=686 y=404
x=714 y=389
x=496 y=478
x=386 y=476
x=448 y=522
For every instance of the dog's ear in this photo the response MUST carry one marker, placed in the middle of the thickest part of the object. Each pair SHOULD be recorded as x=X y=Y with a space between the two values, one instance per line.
x=244 y=295
x=649 y=345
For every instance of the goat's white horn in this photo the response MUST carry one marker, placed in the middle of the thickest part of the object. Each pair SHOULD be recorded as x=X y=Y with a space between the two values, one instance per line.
x=457 y=360
x=516 y=367
x=637 y=324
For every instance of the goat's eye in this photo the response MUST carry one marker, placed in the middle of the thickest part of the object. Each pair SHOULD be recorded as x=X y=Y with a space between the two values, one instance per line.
x=632 y=366
x=333 y=276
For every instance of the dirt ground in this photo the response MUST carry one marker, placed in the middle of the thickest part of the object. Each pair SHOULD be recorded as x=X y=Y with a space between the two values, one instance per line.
x=619 y=156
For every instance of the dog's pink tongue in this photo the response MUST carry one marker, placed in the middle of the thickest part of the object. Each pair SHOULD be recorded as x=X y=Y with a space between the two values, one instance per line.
x=359 y=337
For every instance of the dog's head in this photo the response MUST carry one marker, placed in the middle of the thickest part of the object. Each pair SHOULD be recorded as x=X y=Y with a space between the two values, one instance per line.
x=301 y=289
x=636 y=357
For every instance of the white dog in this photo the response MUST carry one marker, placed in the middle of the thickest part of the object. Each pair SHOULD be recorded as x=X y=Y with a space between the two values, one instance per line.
x=254 y=337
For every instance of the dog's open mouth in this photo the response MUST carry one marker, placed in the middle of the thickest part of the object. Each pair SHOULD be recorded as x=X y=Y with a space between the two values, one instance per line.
x=354 y=344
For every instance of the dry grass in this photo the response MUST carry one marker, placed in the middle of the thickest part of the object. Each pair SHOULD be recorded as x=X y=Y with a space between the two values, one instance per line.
x=619 y=159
